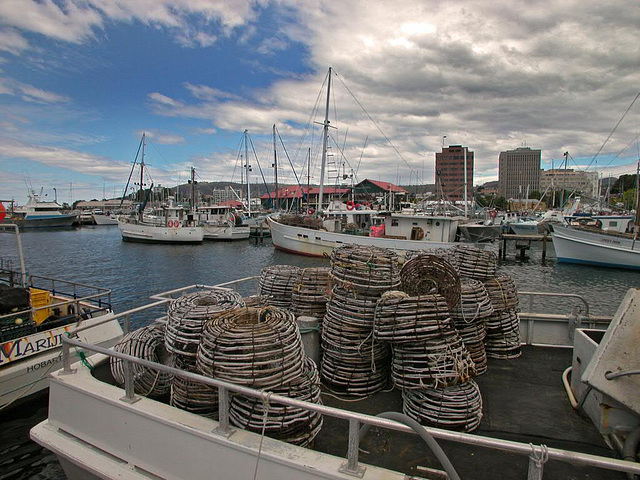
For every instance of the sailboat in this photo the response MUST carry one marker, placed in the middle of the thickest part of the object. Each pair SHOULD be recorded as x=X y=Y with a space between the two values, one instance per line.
x=171 y=223
x=397 y=231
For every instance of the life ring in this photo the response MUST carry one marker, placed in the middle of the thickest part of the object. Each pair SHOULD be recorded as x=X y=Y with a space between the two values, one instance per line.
x=311 y=211
x=170 y=223
x=493 y=213
x=350 y=205
x=176 y=223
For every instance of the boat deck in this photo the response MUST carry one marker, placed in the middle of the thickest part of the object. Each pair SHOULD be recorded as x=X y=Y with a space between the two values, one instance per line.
x=524 y=401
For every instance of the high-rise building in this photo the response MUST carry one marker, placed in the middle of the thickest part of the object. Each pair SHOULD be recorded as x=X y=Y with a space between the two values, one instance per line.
x=519 y=172
x=585 y=183
x=450 y=172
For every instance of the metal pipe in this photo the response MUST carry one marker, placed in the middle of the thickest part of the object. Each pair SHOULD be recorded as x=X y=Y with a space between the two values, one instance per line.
x=624 y=373
x=459 y=437
x=354 y=445
x=567 y=388
x=563 y=295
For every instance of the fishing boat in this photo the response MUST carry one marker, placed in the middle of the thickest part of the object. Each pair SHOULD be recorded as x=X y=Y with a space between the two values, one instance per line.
x=35 y=313
x=351 y=224
x=480 y=231
x=171 y=223
x=100 y=430
x=222 y=222
x=396 y=231
x=37 y=213
x=596 y=247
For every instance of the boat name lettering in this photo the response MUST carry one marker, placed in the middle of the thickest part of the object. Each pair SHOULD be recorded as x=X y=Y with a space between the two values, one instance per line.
x=607 y=240
x=43 y=364
x=32 y=345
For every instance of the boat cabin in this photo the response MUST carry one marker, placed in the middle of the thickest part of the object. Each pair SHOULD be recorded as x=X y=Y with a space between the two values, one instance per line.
x=421 y=227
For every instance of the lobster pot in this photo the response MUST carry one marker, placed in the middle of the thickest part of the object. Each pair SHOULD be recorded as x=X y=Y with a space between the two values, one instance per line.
x=290 y=424
x=503 y=293
x=365 y=269
x=351 y=308
x=277 y=283
x=458 y=407
x=433 y=363
x=473 y=262
x=311 y=292
x=401 y=319
x=503 y=335
x=427 y=274
x=194 y=397
x=255 y=347
x=146 y=343
x=256 y=301
x=187 y=315
x=474 y=306
x=473 y=336
x=354 y=377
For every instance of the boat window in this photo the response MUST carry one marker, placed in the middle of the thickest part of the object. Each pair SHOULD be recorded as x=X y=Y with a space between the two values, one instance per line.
x=394 y=222
x=613 y=223
x=437 y=224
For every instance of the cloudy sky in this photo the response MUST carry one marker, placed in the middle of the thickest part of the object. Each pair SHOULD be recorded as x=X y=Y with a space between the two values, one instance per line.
x=80 y=80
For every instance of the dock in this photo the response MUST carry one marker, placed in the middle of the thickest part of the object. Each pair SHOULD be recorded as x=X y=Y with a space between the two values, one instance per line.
x=522 y=243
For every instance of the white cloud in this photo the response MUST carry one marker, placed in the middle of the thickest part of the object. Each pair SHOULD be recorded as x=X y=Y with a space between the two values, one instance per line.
x=30 y=93
x=164 y=138
x=12 y=42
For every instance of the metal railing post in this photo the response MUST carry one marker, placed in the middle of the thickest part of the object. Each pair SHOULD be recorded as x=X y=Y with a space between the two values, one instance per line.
x=129 y=385
x=127 y=323
x=66 y=357
x=352 y=467
x=224 y=427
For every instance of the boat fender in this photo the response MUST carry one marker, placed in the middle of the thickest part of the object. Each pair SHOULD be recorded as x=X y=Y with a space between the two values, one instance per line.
x=493 y=213
x=232 y=220
x=350 y=205
x=3 y=212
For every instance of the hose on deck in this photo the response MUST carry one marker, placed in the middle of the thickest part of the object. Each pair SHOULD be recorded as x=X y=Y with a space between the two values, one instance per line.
x=426 y=436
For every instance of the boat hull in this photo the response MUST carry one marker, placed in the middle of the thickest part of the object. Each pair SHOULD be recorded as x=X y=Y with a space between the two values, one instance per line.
x=105 y=220
x=220 y=232
x=599 y=249
x=135 y=232
x=320 y=243
x=54 y=221
x=480 y=233
x=22 y=378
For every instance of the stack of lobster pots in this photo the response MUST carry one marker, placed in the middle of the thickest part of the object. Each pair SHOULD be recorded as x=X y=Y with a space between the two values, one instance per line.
x=354 y=363
x=502 y=339
x=311 y=292
x=261 y=348
x=277 y=283
x=186 y=318
x=430 y=362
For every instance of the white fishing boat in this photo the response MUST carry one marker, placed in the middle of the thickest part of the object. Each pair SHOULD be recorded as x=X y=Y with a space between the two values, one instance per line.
x=100 y=430
x=171 y=223
x=35 y=313
x=222 y=222
x=348 y=224
x=593 y=247
x=37 y=213
x=396 y=231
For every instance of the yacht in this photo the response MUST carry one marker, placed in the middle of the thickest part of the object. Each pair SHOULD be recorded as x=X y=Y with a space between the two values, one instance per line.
x=37 y=213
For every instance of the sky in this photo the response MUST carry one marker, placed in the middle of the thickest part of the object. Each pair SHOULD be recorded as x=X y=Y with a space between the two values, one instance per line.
x=81 y=80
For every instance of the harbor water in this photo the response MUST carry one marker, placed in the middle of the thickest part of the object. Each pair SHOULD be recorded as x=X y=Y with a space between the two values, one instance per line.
x=97 y=256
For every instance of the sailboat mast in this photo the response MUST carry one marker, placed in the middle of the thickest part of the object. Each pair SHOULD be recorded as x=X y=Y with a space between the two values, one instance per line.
x=308 y=176
x=324 y=144
x=246 y=158
x=275 y=168
x=144 y=144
